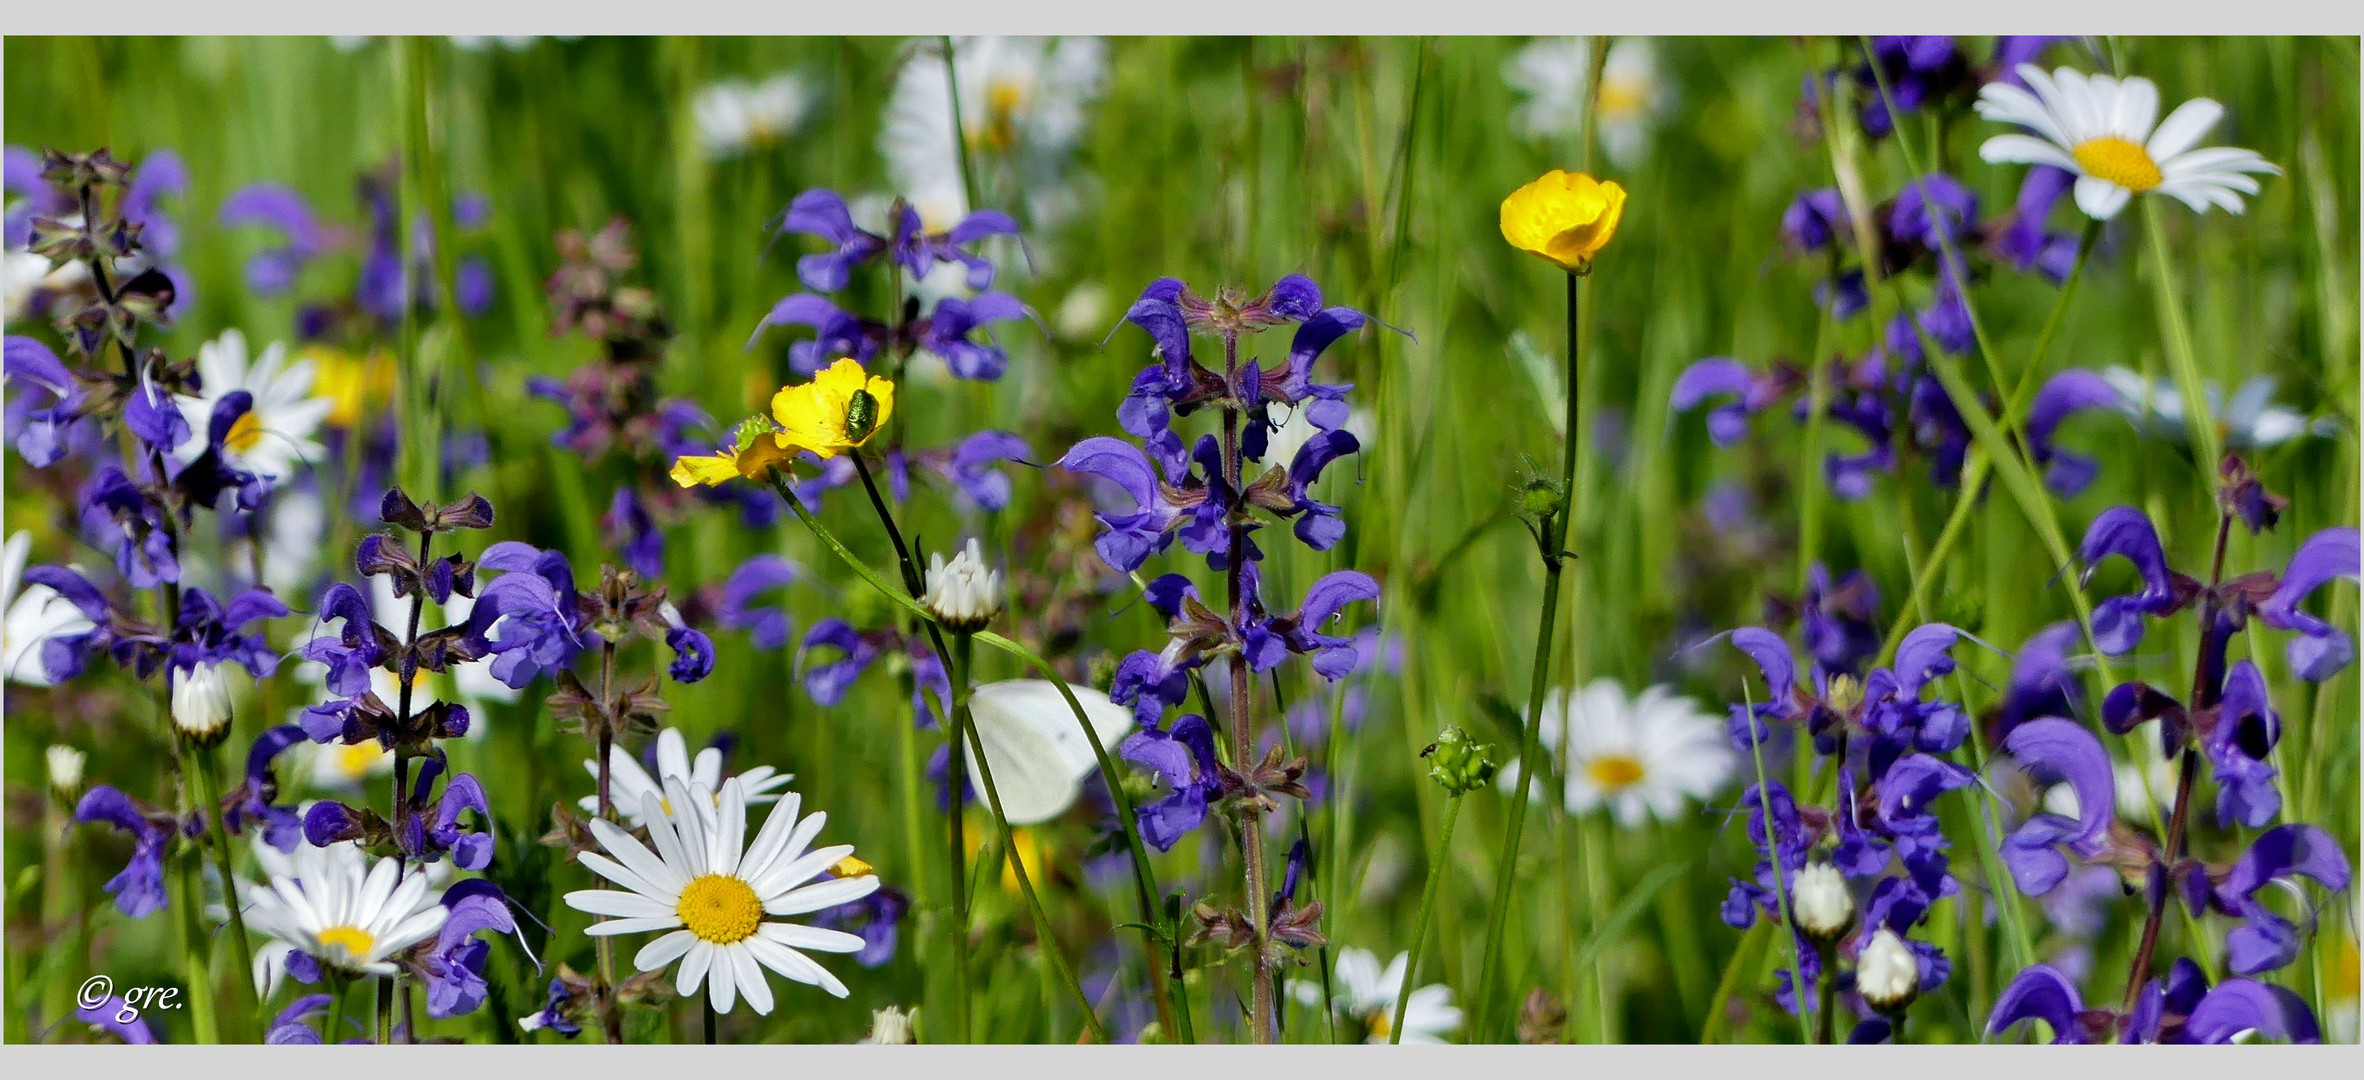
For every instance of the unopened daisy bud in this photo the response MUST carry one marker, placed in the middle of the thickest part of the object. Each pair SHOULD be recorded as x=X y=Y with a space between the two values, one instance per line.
x=201 y=703
x=1458 y=762
x=65 y=771
x=1887 y=973
x=963 y=594
x=1821 y=903
x=890 y=1026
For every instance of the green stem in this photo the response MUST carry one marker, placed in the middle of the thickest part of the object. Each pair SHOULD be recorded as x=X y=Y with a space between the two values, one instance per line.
x=2199 y=424
x=1826 y=995
x=960 y=131
x=1045 y=938
x=1555 y=536
x=1436 y=874
x=333 y=1024
x=1788 y=936
x=189 y=874
x=957 y=775
x=242 y=1007
x=2060 y=306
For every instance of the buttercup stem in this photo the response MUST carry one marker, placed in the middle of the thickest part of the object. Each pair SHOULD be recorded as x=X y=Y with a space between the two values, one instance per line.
x=956 y=729
x=1436 y=874
x=1555 y=536
x=242 y=1003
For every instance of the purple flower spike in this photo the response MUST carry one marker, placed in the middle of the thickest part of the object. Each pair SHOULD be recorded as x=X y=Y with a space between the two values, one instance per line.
x=1813 y=220
x=2070 y=392
x=2041 y=682
x=2041 y=992
x=2266 y=941
x=139 y=889
x=1184 y=761
x=1129 y=538
x=768 y=627
x=1933 y=211
x=1721 y=376
x=2238 y=1005
x=821 y=212
x=2117 y=621
x=2058 y=749
x=2239 y=747
x=2322 y=649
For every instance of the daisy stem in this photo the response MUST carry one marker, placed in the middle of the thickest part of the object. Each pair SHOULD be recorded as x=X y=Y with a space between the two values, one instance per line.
x=189 y=869
x=241 y=1002
x=333 y=1022
x=706 y=1006
x=1826 y=994
x=1436 y=874
x=611 y=1024
x=2180 y=357
x=1554 y=535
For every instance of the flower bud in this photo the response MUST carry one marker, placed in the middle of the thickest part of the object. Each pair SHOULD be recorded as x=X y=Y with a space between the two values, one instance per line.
x=1459 y=763
x=1845 y=694
x=65 y=771
x=963 y=594
x=1821 y=903
x=890 y=1026
x=1887 y=973
x=201 y=702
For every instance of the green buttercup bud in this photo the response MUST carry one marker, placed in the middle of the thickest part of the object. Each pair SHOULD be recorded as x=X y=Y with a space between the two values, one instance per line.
x=1541 y=497
x=1458 y=762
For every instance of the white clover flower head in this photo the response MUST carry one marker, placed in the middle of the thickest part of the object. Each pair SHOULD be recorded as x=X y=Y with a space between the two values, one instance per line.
x=201 y=702
x=890 y=1026
x=1887 y=973
x=65 y=770
x=2106 y=132
x=1821 y=902
x=964 y=594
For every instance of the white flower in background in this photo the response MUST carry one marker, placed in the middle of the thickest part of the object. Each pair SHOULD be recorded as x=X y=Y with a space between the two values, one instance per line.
x=481 y=42
x=2101 y=130
x=2133 y=802
x=2251 y=422
x=1640 y=756
x=274 y=438
x=963 y=594
x=34 y=616
x=1022 y=105
x=1367 y=994
x=65 y=770
x=295 y=527
x=1037 y=752
x=200 y=701
x=24 y=275
x=712 y=892
x=1549 y=76
x=1083 y=313
x=628 y=785
x=348 y=912
x=1281 y=446
x=735 y=114
x=336 y=766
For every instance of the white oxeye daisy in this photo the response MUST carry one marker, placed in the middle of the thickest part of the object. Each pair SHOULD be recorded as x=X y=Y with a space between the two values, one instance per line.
x=1367 y=994
x=1640 y=756
x=348 y=912
x=33 y=617
x=628 y=784
x=2251 y=422
x=712 y=891
x=964 y=594
x=734 y=115
x=274 y=438
x=1549 y=76
x=2102 y=130
x=1022 y=103
x=336 y=766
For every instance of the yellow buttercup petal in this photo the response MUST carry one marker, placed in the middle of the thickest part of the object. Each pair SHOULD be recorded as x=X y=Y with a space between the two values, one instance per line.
x=705 y=470
x=840 y=409
x=1563 y=217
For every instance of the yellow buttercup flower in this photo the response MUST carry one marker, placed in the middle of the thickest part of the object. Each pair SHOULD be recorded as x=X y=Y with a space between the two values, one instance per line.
x=839 y=410
x=350 y=383
x=757 y=447
x=1564 y=217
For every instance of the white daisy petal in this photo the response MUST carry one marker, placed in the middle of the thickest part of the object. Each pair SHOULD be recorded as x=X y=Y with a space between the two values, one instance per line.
x=694 y=965
x=827 y=894
x=618 y=903
x=2099 y=198
x=2183 y=128
x=664 y=950
x=749 y=978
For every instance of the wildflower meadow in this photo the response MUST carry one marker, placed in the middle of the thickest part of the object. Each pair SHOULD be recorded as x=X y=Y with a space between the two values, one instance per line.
x=1181 y=540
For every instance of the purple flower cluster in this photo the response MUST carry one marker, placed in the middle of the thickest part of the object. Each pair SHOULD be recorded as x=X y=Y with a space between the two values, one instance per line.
x=1204 y=496
x=384 y=289
x=1887 y=743
x=139 y=889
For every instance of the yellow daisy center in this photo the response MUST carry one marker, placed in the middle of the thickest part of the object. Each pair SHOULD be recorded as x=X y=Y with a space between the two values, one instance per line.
x=244 y=433
x=1614 y=772
x=2120 y=161
x=720 y=909
x=1003 y=99
x=1381 y=1022
x=355 y=941
x=1623 y=97
x=356 y=759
